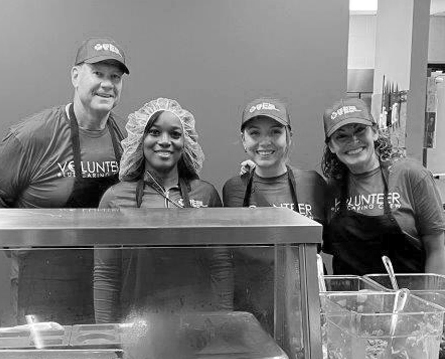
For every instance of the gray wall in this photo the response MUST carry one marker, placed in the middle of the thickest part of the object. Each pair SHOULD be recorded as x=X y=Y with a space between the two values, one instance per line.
x=210 y=55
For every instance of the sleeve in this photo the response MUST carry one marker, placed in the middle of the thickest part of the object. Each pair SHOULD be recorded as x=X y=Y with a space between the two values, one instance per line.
x=221 y=268
x=222 y=278
x=319 y=203
x=107 y=200
x=215 y=199
x=107 y=280
x=233 y=193
x=15 y=170
x=107 y=284
x=428 y=205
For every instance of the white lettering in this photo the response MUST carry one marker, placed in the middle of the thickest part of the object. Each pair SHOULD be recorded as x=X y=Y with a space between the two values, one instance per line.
x=265 y=106
x=107 y=47
x=368 y=202
x=344 y=110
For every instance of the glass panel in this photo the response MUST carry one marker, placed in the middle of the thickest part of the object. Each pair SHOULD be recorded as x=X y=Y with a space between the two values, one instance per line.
x=162 y=301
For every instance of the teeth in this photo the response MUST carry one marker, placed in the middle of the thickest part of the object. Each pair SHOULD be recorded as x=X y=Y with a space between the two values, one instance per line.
x=265 y=153
x=164 y=153
x=353 y=152
x=103 y=95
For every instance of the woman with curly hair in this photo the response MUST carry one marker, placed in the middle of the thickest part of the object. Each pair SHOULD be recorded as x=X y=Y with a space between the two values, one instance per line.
x=381 y=203
x=159 y=169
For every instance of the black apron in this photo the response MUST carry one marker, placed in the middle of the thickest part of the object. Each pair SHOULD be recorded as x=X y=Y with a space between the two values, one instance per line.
x=357 y=242
x=165 y=279
x=57 y=285
x=254 y=267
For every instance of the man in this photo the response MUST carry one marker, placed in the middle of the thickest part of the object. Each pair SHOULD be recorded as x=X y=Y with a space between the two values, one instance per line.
x=64 y=157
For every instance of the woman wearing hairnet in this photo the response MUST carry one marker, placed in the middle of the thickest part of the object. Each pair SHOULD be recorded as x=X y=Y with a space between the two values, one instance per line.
x=159 y=169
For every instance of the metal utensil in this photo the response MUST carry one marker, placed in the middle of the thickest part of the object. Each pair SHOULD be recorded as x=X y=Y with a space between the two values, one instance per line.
x=320 y=271
x=400 y=299
x=390 y=269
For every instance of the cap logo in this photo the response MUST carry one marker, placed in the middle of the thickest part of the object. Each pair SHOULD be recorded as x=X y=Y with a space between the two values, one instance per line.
x=344 y=110
x=264 y=106
x=107 y=47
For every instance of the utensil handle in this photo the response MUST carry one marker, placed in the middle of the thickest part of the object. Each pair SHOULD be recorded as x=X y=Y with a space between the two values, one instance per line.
x=390 y=269
x=320 y=272
x=400 y=299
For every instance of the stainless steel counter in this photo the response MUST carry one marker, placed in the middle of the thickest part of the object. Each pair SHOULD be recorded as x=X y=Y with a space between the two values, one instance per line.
x=208 y=226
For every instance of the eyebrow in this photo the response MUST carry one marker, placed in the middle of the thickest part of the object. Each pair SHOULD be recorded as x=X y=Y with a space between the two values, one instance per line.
x=257 y=127
x=174 y=127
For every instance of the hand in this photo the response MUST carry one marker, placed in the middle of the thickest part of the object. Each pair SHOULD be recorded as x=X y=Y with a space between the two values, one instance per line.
x=247 y=166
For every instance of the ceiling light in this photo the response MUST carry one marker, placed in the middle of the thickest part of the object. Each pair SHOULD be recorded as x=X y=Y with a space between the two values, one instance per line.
x=363 y=5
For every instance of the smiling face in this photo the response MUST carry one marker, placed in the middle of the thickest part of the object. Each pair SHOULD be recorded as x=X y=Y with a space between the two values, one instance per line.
x=163 y=144
x=97 y=87
x=266 y=142
x=353 y=144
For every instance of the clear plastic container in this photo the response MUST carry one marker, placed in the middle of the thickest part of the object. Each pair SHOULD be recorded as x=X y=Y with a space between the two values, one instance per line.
x=348 y=283
x=361 y=325
x=413 y=281
x=428 y=286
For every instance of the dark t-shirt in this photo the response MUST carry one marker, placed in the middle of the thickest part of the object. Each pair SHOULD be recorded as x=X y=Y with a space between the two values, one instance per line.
x=412 y=196
x=275 y=192
x=122 y=195
x=36 y=159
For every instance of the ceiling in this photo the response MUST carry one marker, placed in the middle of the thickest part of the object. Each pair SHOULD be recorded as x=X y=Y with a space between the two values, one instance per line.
x=369 y=7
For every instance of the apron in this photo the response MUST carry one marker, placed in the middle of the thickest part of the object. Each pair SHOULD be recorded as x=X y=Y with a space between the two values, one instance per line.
x=57 y=285
x=166 y=279
x=357 y=242
x=255 y=277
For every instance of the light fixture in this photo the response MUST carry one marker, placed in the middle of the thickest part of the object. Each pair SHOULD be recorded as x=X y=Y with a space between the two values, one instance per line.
x=363 y=6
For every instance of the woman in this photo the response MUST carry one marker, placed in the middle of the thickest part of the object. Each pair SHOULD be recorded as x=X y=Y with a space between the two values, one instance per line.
x=381 y=204
x=266 y=137
x=159 y=169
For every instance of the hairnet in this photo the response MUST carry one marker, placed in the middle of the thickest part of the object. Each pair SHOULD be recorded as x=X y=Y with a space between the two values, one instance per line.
x=133 y=157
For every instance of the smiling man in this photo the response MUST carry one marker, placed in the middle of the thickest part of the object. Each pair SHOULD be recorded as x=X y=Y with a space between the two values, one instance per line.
x=64 y=157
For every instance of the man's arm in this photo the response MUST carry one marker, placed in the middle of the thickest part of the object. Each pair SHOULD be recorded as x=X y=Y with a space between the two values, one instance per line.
x=14 y=170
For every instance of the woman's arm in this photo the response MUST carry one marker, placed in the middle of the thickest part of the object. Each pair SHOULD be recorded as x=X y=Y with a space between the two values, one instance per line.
x=221 y=275
x=221 y=268
x=107 y=284
x=435 y=253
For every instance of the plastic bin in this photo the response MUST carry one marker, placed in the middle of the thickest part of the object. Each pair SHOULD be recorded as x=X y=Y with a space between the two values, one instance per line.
x=414 y=281
x=358 y=325
x=348 y=283
x=428 y=286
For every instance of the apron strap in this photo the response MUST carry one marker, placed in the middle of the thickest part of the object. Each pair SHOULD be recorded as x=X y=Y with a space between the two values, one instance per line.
x=116 y=137
x=246 y=201
x=385 y=177
x=293 y=187
x=75 y=142
x=184 y=193
x=139 y=192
